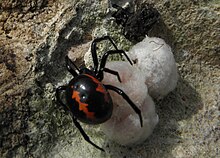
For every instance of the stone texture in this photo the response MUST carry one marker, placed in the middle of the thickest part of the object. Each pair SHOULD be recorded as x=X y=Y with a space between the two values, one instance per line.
x=36 y=35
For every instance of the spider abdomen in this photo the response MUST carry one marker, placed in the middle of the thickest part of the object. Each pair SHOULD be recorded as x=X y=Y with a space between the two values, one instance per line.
x=88 y=99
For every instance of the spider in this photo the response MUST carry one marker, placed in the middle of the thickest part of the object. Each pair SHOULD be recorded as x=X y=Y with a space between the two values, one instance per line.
x=87 y=99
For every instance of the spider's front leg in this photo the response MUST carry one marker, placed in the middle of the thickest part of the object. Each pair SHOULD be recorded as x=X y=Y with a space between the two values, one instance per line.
x=104 y=60
x=93 y=50
x=111 y=72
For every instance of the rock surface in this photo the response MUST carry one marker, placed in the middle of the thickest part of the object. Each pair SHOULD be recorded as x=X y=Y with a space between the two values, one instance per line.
x=36 y=35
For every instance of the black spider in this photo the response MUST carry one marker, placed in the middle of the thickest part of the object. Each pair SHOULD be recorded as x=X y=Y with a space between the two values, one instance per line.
x=88 y=100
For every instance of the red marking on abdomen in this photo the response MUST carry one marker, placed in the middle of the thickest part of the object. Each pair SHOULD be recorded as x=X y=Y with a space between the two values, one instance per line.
x=83 y=106
x=100 y=87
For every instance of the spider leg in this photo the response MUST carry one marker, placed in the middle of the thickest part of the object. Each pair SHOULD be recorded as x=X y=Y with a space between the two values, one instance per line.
x=69 y=67
x=58 y=90
x=112 y=72
x=85 y=136
x=93 y=50
x=104 y=60
x=76 y=123
x=122 y=93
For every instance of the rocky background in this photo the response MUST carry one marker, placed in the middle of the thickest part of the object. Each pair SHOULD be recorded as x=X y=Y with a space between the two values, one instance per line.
x=35 y=36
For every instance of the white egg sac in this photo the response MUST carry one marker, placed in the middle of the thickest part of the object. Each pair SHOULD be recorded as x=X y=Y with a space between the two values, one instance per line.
x=156 y=61
x=124 y=125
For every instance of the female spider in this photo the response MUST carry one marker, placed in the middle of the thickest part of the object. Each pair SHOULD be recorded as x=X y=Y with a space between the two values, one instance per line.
x=88 y=100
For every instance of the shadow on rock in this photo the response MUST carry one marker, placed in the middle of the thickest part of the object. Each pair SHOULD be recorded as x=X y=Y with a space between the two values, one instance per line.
x=181 y=104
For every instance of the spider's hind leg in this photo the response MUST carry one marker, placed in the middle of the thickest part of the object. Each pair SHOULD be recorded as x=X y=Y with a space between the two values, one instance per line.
x=76 y=123
x=85 y=136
